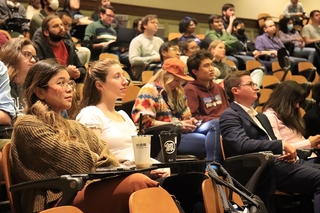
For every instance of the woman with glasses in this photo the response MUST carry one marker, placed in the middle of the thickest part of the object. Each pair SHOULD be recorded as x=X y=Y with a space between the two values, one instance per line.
x=19 y=55
x=282 y=110
x=162 y=101
x=103 y=85
x=63 y=147
x=187 y=27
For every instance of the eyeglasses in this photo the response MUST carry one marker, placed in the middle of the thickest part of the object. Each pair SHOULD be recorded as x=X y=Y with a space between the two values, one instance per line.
x=109 y=16
x=154 y=22
x=249 y=84
x=174 y=49
x=63 y=84
x=28 y=55
x=194 y=48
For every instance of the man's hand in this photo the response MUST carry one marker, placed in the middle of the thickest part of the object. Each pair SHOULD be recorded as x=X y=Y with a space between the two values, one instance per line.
x=73 y=71
x=232 y=18
x=299 y=14
x=106 y=44
x=290 y=153
x=256 y=54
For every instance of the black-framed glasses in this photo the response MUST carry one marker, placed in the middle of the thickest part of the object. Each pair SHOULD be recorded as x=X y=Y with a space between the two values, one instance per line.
x=29 y=55
x=249 y=84
x=63 y=84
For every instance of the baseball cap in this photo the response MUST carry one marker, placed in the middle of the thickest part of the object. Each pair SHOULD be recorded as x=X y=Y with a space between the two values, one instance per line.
x=177 y=68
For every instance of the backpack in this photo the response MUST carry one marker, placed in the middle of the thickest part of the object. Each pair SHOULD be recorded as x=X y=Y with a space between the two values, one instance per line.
x=252 y=203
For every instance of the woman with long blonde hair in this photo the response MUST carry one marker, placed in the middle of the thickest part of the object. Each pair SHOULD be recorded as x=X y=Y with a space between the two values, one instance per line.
x=162 y=101
x=218 y=49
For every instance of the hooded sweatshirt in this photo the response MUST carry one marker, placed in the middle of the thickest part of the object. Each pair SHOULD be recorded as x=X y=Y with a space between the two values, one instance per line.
x=205 y=103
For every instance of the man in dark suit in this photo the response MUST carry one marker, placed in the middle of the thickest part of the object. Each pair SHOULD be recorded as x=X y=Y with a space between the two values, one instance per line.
x=246 y=131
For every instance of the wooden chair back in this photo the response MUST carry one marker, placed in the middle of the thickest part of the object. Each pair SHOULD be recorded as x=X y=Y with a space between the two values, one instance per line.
x=211 y=197
x=262 y=17
x=131 y=93
x=264 y=96
x=13 y=197
x=108 y=55
x=305 y=65
x=146 y=75
x=152 y=200
x=172 y=36
x=200 y=36
x=253 y=64
x=63 y=209
x=270 y=81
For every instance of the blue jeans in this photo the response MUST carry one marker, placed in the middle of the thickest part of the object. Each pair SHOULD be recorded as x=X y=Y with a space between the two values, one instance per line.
x=203 y=142
x=306 y=52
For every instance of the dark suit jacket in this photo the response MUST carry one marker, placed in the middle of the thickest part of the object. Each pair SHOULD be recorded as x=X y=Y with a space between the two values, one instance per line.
x=312 y=120
x=241 y=135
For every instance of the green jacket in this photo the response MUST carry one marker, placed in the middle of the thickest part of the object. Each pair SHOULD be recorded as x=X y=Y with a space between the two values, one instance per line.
x=230 y=41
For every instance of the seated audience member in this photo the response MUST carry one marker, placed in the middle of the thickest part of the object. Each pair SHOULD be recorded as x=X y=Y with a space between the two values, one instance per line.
x=169 y=49
x=73 y=8
x=206 y=99
x=101 y=31
x=7 y=110
x=82 y=52
x=216 y=32
x=282 y=110
x=246 y=49
x=312 y=116
x=66 y=147
x=137 y=23
x=310 y=32
x=53 y=43
x=246 y=131
x=187 y=27
x=162 y=100
x=289 y=35
x=33 y=8
x=49 y=7
x=144 y=49
x=228 y=16
x=106 y=81
x=269 y=44
x=13 y=9
x=294 y=10
x=217 y=48
x=100 y=3
x=187 y=47
x=19 y=55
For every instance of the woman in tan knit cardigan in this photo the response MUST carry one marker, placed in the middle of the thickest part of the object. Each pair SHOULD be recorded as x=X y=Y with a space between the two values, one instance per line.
x=45 y=145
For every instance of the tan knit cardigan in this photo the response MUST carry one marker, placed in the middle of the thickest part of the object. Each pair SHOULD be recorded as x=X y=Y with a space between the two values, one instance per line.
x=39 y=152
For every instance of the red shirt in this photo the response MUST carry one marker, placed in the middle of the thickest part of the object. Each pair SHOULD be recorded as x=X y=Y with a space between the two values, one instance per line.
x=61 y=53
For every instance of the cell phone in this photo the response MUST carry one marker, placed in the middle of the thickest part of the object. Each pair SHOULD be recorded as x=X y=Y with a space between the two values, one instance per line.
x=199 y=122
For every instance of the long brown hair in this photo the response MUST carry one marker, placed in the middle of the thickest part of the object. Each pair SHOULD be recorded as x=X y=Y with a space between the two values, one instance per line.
x=11 y=52
x=283 y=100
x=98 y=71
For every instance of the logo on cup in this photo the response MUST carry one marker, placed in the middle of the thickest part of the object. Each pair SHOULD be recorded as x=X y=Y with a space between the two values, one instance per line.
x=170 y=146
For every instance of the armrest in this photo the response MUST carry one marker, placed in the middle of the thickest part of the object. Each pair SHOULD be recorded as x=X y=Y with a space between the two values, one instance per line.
x=248 y=169
x=69 y=186
x=308 y=73
x=304 y=153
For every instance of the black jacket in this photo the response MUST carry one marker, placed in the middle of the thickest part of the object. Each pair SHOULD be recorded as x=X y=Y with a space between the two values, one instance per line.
x=44 y=51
